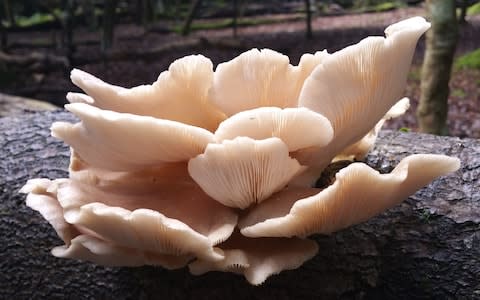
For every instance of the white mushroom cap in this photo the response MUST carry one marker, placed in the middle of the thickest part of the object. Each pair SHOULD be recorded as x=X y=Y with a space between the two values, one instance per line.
x=253 y=79
x=358 y=193
x=122 y=142
x=143 y=229
x=85 y=247
x=286 y=124
x=360 y=149
x=243 y=171
x=42 y=197
x=179 y=94
x=167 y=190
x=257 y=259
x=262 y=78
x=356 y=86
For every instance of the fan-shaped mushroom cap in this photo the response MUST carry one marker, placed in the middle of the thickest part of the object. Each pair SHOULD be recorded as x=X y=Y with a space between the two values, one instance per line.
x=167 y=189
x=179 y=94
x=85 y=247
x=253 y=79
x=357 y=85
x=360 y=149
x=287 y=124
x=257 y=259
x=240 y=172
x=262 y=78
x=144 y=229
x=42 y=197
x=122 y=142
x=358 y=193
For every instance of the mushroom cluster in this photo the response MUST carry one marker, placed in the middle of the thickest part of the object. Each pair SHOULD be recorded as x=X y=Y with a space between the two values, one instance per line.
x=215 y=170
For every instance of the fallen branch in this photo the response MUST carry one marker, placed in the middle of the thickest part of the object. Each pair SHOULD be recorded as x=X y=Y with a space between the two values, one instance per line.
x=426 y=248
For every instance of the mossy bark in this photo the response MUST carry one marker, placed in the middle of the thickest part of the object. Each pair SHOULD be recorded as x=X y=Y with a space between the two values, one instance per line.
x=440 y=48
x=426 y=248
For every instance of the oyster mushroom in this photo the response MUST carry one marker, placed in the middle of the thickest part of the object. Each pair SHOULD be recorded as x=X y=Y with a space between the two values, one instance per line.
x=160 y=174
x=257 y=259
x=358 y=193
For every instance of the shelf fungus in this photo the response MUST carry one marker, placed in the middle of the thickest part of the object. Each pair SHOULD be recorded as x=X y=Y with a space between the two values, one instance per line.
x=215 y=169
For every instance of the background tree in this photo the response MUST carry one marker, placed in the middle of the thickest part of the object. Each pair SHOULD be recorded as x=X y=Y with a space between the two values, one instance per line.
x=108 y=23
x=437 y=65
x=308 y=11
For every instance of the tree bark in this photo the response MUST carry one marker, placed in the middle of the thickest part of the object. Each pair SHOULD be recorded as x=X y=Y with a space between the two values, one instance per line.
x=440 y=48
x=15 y=105
x=426 y=248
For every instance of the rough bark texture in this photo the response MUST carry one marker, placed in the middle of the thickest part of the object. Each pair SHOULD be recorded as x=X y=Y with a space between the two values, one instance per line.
x=428 y=247
x=436 y=69
x=15 y=105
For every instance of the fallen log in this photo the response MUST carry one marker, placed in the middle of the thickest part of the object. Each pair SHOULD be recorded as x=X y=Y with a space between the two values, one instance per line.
x=14 y=105
x=426 y=248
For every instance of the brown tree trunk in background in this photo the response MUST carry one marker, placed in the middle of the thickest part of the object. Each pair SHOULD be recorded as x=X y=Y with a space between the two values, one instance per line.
x=463 y=11
x=6 y=14
x=235 y=18
x=308 y=11
x=8 y=11
x=437 y=65
x=3 y=38
x=425 y=248
x=68 y=29
x=108 y=24
x=146 y=12
x=191 y=15
x=88 y=7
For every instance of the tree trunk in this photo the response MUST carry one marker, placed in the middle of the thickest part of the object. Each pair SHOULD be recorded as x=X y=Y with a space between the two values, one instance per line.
x=308 y=11
x=191 y=15
x=9 y=15
x=426 y=248
x=235 y=18
x=88 y=7
x=437 y=65
x=463 y=11
x=68 y=28
x=108 y=24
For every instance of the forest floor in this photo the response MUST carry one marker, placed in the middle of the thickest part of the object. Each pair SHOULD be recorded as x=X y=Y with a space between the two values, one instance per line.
x=138 y=59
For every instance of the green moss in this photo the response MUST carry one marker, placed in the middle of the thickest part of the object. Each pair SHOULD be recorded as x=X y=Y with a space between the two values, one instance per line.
x=458 y=93
x=35 y=19
x=387 y=6
x=415 y=73
x=474 y=9
x=470 y=60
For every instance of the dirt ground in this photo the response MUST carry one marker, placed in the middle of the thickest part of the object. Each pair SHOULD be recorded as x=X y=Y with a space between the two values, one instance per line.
x=288 y=37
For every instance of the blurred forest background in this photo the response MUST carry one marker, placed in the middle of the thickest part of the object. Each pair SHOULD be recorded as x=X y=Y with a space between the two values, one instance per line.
x=129 y=43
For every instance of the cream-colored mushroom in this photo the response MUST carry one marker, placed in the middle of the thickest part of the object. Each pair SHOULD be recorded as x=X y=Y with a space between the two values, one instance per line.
x=358 y=193
x=179 y=94
x=243 y=171
x=356 y=86
x=360 y=149
x=144 y=229
x=123 y=142
x=42 y=197
x=286 y=124
x=253 y=79
x=260 y=78
x=85 y=247
x=168 y=189
x=257 y=259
